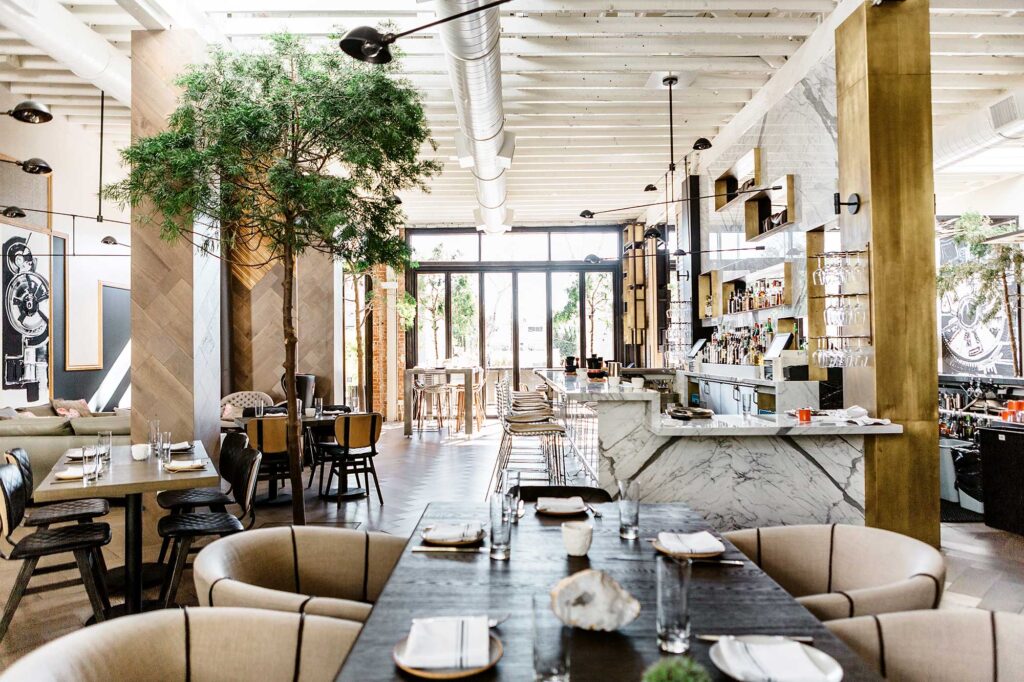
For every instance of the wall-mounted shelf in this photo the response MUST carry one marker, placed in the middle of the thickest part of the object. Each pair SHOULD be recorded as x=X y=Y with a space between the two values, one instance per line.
x=743 y=174
x=710 y=283
x=771 y=210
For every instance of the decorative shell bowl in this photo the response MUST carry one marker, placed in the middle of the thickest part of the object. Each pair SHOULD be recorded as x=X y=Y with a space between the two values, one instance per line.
x=593 y=600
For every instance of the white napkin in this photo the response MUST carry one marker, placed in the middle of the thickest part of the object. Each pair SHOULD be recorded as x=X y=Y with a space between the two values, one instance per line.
x=181 y=447
x=72 y=473
x=561 y=504
x=448 y=642
x=690 y=543
x=74 y=453
x=140 y=452
x=187 y=465
x=783 y=661
x=453 y=532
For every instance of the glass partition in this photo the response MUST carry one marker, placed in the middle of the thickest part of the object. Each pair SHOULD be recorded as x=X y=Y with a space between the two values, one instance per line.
x=465 y=319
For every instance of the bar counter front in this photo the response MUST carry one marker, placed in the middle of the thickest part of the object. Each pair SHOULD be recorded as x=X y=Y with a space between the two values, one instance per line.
x=740 y=471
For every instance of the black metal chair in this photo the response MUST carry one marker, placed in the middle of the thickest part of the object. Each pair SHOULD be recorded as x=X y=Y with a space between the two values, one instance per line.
x=530 y=493
x=215 y=499
x=72 y=511
x=183 y=529
x=356 y=437
x=84 y=540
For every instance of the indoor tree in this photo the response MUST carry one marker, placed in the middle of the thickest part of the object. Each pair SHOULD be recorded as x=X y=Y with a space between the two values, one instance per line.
x=282 y=151
x=992 y=271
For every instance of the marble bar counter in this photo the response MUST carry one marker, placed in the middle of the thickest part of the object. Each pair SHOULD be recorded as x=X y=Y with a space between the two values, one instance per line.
x=738 y=471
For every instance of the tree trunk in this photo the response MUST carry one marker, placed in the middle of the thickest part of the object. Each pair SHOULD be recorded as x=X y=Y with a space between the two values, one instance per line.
x=1010 y=326
x=294 y=422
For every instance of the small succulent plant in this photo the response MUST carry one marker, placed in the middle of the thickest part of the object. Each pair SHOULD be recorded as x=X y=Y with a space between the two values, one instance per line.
x=679 y=669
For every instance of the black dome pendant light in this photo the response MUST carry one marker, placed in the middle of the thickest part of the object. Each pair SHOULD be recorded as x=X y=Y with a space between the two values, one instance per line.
x=14 y=212
x=31 y=111
x=369 y=45
x=33 y=166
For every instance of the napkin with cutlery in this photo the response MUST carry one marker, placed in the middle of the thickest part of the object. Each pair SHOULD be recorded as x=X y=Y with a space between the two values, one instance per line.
x=690 y=543
x=448 y=642
x=781 y=661
x=187 y=465
x=561 y=505
x=183 y=446
x=453 y=532
x=73 y=473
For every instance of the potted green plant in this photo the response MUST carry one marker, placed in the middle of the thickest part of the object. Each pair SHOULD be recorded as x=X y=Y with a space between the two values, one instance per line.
x=677 y=669
x=285 y=150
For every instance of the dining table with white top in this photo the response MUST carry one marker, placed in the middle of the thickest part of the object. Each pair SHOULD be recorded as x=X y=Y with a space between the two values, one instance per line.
x=128 y=478
x=468 y=374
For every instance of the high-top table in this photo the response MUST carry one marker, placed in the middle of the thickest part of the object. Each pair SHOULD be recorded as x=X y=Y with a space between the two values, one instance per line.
x=467 y=372
x=128 y=478
x=724 y=600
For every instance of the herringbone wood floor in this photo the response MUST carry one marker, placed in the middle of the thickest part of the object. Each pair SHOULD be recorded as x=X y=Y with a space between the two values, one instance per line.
x=986 y=567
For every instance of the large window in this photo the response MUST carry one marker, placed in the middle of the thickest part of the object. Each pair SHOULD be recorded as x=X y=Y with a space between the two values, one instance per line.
x=430 y=320
x=498 y=319
x=565 y=316
x=600 y=315
x=533 y=320
x=465 y=319
x=428 y=247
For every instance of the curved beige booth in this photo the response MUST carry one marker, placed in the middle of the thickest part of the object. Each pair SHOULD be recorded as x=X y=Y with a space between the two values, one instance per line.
x=938 y=646
x=196 y=645
x=324 y=571
x=842 y=571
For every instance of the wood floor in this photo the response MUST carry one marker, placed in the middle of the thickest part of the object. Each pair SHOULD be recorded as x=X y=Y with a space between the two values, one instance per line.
x=986 y=567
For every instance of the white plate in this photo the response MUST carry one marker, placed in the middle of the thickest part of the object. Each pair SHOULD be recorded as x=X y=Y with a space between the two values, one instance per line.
x=830 y=669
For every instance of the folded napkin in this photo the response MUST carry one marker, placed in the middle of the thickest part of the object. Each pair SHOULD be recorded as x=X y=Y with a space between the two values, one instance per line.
x=73 y=473
x=561 y=504
x=690 y=543
x=454 y=532
x=782 y=661
x=448 y=642
x=140 y=452
x=187 y=465
x=74 y=453
x=183 y=446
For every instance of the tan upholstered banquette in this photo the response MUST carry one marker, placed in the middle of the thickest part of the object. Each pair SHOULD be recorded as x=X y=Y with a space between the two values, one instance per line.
x=938 y=646
x=840 y=571
x=197 y=645
x=324 y=571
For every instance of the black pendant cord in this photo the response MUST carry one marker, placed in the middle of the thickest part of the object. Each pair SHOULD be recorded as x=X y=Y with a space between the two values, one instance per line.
x=99 y=188
x=450 y=18
x=671 y=132
x=591 y=214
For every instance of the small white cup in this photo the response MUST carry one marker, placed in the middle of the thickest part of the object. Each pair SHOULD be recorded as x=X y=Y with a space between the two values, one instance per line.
x=638 y=382
x=577 y=536
x=310 y=412
x=614 y=381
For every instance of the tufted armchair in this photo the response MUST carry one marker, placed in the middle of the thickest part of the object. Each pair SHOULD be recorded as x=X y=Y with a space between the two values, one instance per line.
x=239 y=401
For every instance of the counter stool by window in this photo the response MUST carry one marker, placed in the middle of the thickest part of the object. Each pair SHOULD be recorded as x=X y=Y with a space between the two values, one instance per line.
x=72 y=511
x=479 y=386
x=215 y=499
x=269 y=435
x=433 y=395
x=841 y=571
x=353 y=453
x=938 y=646
x=184 y=529
x=84 y=540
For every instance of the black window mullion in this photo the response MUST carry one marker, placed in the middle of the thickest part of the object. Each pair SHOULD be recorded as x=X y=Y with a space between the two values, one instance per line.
x=515 y=329
x=550 y=331
x=583 y=315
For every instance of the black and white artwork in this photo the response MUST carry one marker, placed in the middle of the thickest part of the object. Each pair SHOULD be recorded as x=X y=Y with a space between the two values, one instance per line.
x=26 y=315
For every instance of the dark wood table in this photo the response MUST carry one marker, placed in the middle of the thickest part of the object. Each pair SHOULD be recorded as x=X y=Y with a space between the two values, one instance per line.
x=725 y=600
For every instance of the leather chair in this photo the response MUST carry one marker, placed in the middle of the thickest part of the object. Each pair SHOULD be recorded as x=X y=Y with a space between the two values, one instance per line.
x=83 y=540
x=269 y=435
x=530 y=493
x=72 y=511
x=842 y=571
x=195 y=644
x=334 y=572
x=938 y=646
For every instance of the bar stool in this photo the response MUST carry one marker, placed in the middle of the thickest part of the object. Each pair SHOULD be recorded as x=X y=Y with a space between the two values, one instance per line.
x=479 y=386
x=533 y=418
x=433 y=394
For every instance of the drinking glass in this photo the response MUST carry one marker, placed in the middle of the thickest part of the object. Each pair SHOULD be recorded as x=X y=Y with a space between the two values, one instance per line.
x=673 y=619
x=501 y=528
x=748 y=403
x=90 y=465
x=154 y=437
x=510 y=486
x=258 y=410
x=551 y=640
x=629 y=509
x=318 y=406
x=165 y=446
x=103 y=443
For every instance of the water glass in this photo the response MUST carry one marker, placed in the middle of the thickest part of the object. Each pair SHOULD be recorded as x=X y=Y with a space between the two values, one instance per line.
x=154 y=436
x=165 y=446
x=748 y=402
x=501 y=528
x=551 y=643
x=90 y=465
x=629 y=509
x=103 y=444
x=510 y=482
x=318 y=406
x=673 y=620
x=258 y=410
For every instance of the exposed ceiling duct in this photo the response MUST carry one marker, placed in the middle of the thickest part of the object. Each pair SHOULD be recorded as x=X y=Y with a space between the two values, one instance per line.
x=472 y=51
x=47 y=25
x=983 y=129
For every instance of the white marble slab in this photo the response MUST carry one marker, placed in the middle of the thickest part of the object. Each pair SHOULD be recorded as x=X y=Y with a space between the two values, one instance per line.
x=764 y=425
x=580 y=388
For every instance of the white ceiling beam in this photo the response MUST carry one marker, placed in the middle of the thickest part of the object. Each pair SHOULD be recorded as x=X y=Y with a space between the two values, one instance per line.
x=592 y=108
x=987 y=46
x=541 y=96
x=399 y=7
x=975 y=81
x=977 y=64
x=600 y=81
x=150 y=14
x=42 y=77
x=418 y=64
x=975 y=25
x=974 y=6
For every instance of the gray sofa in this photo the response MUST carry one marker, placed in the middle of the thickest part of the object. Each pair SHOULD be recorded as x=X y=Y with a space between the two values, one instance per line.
x=47 y=438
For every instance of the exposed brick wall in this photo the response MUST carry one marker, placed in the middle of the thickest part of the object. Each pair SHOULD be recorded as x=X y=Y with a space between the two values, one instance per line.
x=380 y=344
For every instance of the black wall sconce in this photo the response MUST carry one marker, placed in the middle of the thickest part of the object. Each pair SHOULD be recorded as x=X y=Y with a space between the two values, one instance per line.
x=853 y=203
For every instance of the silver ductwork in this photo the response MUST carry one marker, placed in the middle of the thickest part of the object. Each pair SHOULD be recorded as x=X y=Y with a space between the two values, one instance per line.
x=472 y=50
x=983 y=129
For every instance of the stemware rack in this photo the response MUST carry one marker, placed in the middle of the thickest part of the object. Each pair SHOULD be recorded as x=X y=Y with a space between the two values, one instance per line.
x=834 y=271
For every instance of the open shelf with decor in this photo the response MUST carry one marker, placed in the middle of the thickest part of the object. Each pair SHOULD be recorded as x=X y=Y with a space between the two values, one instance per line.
x=745 y=174
x=709 y=290
x=770 y=210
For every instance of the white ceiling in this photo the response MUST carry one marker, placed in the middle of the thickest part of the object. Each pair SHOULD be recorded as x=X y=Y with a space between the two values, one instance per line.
x=590 y=132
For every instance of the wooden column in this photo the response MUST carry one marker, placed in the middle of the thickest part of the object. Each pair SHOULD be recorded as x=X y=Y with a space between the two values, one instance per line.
x=315 y=294
x=883 y=73
x=175 y=297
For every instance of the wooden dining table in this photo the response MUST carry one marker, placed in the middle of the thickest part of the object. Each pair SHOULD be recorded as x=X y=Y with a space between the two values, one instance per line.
x=468 y=382
x=128 y=478
x=724 y=599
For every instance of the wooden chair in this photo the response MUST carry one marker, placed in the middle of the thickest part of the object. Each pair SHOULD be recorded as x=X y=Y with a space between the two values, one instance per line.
x=269 y=435
x=83 y=540
x=356 y=446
